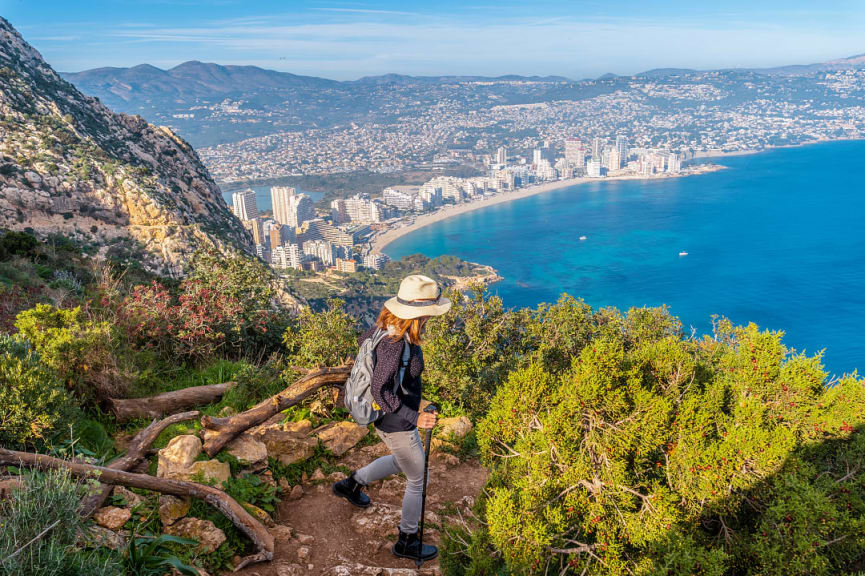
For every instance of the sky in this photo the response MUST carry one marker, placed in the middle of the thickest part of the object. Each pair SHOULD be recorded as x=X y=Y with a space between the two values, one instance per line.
x=346 y=40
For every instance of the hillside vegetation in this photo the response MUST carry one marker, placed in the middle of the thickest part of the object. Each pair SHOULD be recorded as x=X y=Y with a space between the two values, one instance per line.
x=616 y=443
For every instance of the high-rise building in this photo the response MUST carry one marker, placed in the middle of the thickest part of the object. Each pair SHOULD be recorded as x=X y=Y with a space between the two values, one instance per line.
x=254 y=226
x=593 y=168
x=375 y=260
x=575 y=154
x=244 y=204
x=537 y=156
x=674 y=163
x=614 y=159
x=597 y=148
x=401 y=198
x=301 y=209
x=622 y=148
x=361 y=209
x=281 y=196
x=502 y=155
x=321 y=249
x=338 y=213
x=346 y=265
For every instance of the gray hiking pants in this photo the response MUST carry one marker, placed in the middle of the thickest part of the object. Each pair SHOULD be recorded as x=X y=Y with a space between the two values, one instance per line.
x=407 y=456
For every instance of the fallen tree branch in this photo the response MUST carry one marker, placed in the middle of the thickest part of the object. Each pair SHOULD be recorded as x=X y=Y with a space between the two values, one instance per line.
x=249 y=525
x=218 y=432
x=136 y=452
x=167 y=402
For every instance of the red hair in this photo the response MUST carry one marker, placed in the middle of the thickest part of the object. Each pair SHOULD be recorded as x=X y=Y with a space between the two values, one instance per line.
x=401 y=326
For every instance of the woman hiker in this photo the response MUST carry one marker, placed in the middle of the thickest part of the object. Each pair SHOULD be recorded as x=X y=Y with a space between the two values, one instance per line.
x=403 y=318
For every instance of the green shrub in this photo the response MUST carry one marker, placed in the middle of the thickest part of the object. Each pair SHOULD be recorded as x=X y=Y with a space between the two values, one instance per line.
x=649 y=453
x=79 y=349
x=251 y=489
x=35 y=403
x=47 y=501
x=324 y=338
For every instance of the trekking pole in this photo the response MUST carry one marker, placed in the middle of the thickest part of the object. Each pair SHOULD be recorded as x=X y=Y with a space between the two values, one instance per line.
x=419 y=561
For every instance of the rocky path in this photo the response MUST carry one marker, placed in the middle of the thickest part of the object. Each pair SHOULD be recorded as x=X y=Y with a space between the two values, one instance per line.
x=320 y=534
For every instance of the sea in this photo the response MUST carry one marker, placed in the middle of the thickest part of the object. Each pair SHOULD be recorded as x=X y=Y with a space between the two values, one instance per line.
x=262 y=196
x=777 y=238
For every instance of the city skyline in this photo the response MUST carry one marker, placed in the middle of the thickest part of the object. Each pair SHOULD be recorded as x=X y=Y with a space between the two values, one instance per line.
x=348 y=40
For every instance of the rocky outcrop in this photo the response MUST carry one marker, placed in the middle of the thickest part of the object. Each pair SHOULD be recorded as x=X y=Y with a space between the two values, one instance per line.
x=69 y=165
x=111 y=517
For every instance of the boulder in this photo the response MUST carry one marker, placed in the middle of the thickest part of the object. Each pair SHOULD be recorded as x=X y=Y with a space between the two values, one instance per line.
x=172 y=509
x=457 y=427
x=340 y=437
x=296 y=492
x=112 y=517
x=305 y=539
x=132 y=499
x=317 y=476
x=247 y=450
x=95 y=536
x=210 y=471
x=286 y=447
x=179 y=455
x=301 y=428
x=208 y=536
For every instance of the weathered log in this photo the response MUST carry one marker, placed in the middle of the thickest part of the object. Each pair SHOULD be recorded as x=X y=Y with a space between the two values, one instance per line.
x=166 y=403
x=248 y=524
x=136 y=452
x=218 y=432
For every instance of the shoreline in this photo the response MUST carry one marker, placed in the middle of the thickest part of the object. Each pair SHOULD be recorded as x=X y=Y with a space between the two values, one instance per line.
x=382 y=240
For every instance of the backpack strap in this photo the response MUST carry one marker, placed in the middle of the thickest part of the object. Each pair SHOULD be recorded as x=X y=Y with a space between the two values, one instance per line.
x=406 y=355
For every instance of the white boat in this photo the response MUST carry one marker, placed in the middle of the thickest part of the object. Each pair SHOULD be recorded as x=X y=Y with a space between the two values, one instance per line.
x=583 y=237
x=683 y=253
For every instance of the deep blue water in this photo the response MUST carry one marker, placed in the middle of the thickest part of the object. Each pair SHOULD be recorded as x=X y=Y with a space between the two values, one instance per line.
x=777 y=239
x=262 y=196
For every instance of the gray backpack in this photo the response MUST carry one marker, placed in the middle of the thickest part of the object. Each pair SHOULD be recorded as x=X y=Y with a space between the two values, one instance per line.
x=358 y=387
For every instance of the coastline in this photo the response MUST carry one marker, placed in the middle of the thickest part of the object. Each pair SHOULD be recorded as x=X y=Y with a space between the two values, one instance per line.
x=382 y=240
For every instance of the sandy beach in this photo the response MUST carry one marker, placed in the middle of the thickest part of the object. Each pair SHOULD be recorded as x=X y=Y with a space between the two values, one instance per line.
x=381 y=240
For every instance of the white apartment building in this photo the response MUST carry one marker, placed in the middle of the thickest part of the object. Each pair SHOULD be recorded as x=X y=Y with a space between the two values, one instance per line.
x=593 y=168
x=321 y=249
x=244 y=204
x=280 y=197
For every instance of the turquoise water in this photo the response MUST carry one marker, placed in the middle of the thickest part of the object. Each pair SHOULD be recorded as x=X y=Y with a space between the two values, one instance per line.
x=777 y=239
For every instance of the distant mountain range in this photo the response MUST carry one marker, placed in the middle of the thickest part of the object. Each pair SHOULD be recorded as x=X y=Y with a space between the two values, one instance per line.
x=211 y=104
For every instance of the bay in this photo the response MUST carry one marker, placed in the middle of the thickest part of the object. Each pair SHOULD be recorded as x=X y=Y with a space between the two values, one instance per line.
x=777 y=238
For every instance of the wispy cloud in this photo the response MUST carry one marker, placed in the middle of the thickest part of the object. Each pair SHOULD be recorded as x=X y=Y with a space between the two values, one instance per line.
x=368 y=11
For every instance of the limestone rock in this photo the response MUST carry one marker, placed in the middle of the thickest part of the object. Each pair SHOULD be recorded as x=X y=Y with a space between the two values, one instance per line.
x=340 y=437
x=179 y=455
x=7 y=486
x=112 y=517
x=457 y=427
x=247 y=450
x=305 y=539
x=286 y=447
x=95 y=536
x=171 y=509
x=318 y=475
x=259 y=514
x=210 y=471
x=303 y=553
x=208 y=536
x=132 y=499
x=280 y=532
x=286 y=569
x=301 y=428
x=296 y=492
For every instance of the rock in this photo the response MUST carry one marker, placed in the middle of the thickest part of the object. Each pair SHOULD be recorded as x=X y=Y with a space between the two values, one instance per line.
x=33 y=178
x=286 y=447
x=285 y=569
x=132 y=499
x=172 y=509
x=95 y=536
x=247 y=450
x=296 y=493
x=340 y=437
x=305 y=539
x=303 y=553
x=227 y=411
x=379 y=520
x=457 y=427
x=302 y=428
x=317 y=475
x=179 y=455
x=112 y=517
x=449 y=459
x=284 y=485
x=208 y=536
x=208 y=471
x=280 y=532
x=7 y=486
x=350 y=568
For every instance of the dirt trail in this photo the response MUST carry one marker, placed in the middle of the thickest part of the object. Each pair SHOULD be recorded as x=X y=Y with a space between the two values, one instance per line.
x=330 y=537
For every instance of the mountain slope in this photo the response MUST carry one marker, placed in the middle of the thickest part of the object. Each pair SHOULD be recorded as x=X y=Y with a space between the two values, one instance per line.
x=70 y=165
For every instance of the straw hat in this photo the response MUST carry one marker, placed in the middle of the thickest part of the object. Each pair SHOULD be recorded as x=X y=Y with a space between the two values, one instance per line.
x=418 y=296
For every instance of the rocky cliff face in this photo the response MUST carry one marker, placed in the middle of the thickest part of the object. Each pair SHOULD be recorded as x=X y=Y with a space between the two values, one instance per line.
x=70 y=165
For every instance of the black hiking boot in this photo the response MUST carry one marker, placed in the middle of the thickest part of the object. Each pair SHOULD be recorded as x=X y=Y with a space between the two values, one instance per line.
x=407 y=547
x=352 y=490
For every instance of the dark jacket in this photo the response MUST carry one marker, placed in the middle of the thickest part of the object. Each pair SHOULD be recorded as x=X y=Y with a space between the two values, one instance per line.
x=401 y=408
